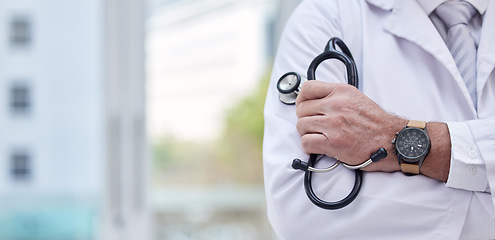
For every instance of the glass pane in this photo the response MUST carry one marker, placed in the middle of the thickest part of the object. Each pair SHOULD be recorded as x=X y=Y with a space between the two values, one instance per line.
x=208 y=70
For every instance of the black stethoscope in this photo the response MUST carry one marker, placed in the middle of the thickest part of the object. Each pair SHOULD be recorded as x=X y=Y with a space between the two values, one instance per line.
x=289 y=86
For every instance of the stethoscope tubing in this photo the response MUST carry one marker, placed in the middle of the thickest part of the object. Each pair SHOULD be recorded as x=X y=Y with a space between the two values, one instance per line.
x=337 y=163
x=289 y=85
x=345 y=57
x=358 y=179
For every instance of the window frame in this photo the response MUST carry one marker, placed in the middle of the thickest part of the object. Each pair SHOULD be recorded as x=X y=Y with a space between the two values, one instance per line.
x=20 y=97
x=20 y=32
x=20 y=165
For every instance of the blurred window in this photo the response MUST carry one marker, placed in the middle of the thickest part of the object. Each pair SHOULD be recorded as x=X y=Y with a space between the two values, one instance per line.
x=20 y=99
x=20 y=32
x=20 y=166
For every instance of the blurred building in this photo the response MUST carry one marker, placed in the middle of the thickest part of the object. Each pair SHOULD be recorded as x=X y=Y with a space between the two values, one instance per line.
x=73 y=146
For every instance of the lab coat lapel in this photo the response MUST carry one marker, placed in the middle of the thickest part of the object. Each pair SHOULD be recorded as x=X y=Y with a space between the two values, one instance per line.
x=486 y=51
x=409 y=21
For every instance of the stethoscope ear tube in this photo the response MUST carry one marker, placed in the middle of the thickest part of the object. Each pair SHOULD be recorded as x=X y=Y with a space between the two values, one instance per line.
x=348 y=61
x=330 y=205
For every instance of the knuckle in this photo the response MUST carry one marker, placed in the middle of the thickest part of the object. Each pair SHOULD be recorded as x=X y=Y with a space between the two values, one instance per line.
x=338 y=100
x=338 y=103
x=344 y=87
x=334 y=139
x=338 y=121
x=337 y=139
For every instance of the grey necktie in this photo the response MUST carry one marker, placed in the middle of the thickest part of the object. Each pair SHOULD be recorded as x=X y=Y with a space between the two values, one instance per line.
x=456 y=15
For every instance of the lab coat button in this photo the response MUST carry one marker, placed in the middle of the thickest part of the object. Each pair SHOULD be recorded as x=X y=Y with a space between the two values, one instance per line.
x=473 y=154
x=471 y=170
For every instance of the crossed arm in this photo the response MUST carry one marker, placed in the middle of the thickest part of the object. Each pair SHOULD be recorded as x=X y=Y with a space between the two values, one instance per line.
x=337 y=120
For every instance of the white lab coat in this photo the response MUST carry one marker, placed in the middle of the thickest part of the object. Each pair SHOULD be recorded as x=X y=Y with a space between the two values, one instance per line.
x=404 y=66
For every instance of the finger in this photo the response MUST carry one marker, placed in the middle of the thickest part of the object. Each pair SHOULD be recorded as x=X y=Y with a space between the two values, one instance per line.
x=314 y=143
x=315 y=90
x=309 y=125
x=310 y=108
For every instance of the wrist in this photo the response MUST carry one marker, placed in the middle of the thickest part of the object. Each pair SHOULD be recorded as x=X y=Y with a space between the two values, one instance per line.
x=392 y=134
x=389 y=128
x=412 y=145
x=437 y=163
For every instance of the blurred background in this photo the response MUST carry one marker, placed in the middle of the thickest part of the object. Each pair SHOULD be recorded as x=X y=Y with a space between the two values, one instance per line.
x=134 y=119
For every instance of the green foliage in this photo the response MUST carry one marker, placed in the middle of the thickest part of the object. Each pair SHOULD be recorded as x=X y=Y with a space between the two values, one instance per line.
x=236 y=157
x=246 y=117
x=241 y=144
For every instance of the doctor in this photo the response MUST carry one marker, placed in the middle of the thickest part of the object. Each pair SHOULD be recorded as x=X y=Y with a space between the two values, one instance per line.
x=408 y=78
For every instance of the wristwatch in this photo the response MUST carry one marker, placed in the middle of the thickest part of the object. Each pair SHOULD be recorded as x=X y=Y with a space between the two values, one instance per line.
x=412 y=144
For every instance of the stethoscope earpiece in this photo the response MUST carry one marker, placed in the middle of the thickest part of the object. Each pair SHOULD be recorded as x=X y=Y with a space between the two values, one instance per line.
x=297 y=164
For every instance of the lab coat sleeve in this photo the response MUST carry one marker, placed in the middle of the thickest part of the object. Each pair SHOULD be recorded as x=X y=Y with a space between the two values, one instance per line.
x=304 y=37
x=473 y=155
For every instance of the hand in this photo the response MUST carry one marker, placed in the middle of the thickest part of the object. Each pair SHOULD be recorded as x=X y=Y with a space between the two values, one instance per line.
x=338 y=120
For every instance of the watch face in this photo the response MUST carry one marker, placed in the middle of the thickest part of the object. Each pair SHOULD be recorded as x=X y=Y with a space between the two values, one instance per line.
x=412 y=144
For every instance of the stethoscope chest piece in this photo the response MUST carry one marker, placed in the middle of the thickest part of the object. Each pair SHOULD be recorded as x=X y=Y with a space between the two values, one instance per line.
x=289 y=86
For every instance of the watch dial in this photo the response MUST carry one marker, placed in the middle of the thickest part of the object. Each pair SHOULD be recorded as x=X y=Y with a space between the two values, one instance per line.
x=412 y=143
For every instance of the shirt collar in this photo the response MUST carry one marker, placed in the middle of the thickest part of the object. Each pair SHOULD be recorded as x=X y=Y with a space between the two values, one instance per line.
x=430 y=5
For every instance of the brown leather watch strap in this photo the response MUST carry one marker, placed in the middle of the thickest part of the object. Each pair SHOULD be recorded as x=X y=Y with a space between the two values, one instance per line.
x=416 y=124
x=409 y=168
